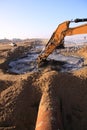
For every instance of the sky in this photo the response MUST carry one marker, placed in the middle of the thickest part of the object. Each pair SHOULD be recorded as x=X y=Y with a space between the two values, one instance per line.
x=37 y=18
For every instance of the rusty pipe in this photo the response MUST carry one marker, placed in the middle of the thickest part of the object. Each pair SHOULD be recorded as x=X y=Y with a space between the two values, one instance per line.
x=49 y=115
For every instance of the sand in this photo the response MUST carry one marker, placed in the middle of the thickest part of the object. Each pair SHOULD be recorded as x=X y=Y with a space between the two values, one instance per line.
x=21 y=95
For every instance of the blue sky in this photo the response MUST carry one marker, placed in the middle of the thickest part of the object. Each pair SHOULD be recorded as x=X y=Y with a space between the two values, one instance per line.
x=37 y=18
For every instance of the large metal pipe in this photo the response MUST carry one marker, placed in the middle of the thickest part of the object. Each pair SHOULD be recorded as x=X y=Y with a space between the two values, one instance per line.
x=49 y=115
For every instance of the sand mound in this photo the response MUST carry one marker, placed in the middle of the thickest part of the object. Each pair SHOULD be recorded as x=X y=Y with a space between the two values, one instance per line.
x=19 y=103
x=20 y=97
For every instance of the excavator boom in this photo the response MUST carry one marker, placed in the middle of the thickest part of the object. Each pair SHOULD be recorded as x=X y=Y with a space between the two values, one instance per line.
x=57 y=38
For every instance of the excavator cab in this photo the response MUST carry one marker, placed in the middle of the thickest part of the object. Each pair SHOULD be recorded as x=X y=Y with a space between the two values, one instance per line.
x=57 y=38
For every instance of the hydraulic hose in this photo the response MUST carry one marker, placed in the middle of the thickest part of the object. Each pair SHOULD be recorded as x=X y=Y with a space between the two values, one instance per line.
x=80 y=20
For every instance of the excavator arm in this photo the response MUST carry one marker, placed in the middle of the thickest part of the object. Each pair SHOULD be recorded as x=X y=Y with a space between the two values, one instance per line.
x=57 y=38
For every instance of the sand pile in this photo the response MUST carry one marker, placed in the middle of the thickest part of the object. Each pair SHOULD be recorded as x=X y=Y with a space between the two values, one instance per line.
x=20 y=97
x=19 y=102
x=18 y=52
x=83 y=52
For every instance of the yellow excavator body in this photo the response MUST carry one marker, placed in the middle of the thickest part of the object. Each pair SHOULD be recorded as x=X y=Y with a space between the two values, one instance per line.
x=57 y=38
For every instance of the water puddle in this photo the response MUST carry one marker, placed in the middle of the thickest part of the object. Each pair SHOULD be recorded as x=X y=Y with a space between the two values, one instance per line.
x=24 y=64
x=67 y=63
x=29 y=64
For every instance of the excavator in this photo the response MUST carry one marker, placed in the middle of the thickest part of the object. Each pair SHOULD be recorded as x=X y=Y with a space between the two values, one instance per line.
x=57 y=38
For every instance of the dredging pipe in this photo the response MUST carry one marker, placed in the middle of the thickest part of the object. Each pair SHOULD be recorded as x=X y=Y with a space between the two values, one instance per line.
x=49 y=115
